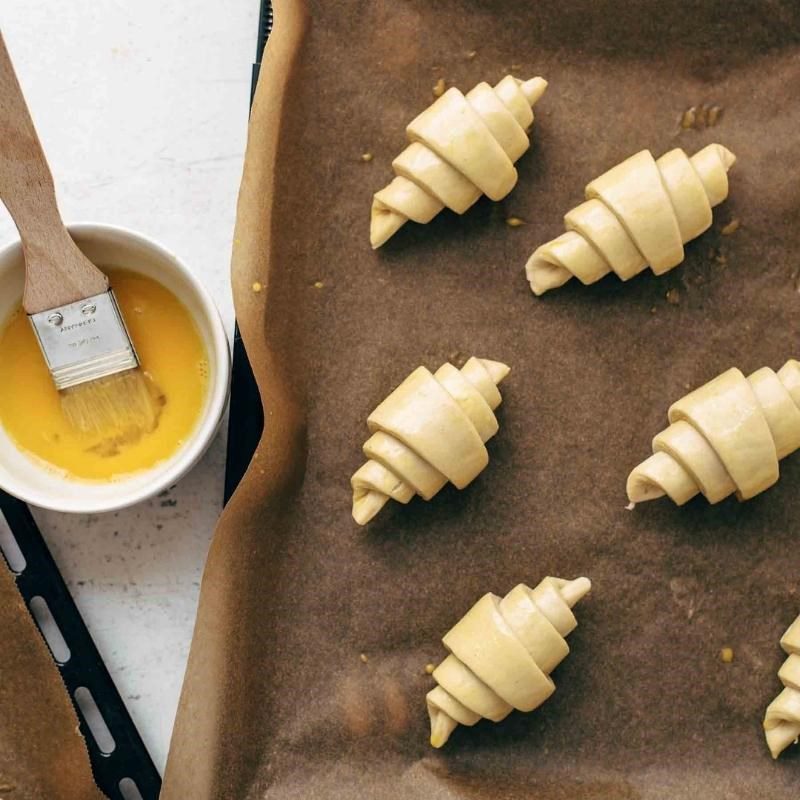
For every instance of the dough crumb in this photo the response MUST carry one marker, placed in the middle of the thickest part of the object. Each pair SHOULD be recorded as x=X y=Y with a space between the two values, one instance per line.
x=366 y=157
x=514 y=222
x=673 y=297
x=700 y=117
x=471 y=54
x=630 y=506
x=731 y=227
x=457 y=358
x=318 y=284
x=257 y=287
x=363 y=657
x=726 y=654
x=438 y=89
x=653 y=310
x=429 y=668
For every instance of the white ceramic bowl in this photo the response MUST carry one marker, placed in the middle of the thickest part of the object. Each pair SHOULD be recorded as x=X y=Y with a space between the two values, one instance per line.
x=109 y=245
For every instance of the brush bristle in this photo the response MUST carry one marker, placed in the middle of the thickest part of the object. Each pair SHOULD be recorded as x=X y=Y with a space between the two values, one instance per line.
x=118 y=409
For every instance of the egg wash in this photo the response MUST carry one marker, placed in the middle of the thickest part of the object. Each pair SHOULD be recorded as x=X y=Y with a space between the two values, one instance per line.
x=175 y=362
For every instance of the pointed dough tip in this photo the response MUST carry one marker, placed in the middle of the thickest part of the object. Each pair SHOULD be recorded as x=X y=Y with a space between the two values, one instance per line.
x=573 y=591
x=726 y=156
x=779 y=738
x=496 y=369
x=367 y=504
x=533 y=89
x=384 y=223
x=641 y=488
x=544 y=275
x=442 y=725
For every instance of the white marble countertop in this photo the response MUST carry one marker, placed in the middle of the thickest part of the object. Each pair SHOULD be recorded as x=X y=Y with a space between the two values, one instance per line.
x=142 y=110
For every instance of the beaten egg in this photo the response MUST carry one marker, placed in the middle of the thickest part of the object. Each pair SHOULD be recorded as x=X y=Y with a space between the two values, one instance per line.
x=175 y=362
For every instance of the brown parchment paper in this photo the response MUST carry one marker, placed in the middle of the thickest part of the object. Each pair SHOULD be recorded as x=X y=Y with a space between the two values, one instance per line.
x=42 y=753
x=277 y=701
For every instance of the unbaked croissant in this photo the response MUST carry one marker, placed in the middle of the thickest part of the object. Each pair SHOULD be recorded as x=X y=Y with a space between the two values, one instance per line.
x=502 y=652
x=782 y=720
x=461 y=147
x=430 y=430
x=724 y=437
x=640 y=212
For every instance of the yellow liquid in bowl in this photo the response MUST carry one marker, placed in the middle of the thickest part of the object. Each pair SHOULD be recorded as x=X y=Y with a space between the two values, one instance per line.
x=172 y=354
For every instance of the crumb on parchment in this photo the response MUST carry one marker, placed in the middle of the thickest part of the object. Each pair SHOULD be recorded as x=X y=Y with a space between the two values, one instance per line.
x=673 y=297
x=731 y=227
x=701 y=116
x=471 y=54
x=514 y=222
x=366 y=157
x=457 y=358
x=688 y=118
x=429 y=668
x=257 y=287
x=715 y=254
x=439 y=87
x=726 y=655
x=318 y=284
x=363 y=657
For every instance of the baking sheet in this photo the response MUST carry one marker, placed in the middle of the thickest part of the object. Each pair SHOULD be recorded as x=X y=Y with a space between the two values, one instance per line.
x=278 y=702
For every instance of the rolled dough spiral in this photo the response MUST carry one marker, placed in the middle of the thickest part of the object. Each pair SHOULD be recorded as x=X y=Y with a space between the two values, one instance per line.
x=724 y=437
x=462 y=146
x=782 y=720
x=430 y=430
x=502 y=653
x=640 y=212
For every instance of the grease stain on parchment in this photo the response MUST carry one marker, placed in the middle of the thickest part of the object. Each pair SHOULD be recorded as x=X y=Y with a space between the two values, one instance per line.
x=373 y=704
x=687 y=594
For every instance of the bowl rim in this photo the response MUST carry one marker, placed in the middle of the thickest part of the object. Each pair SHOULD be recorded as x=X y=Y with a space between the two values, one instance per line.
x=206 y=428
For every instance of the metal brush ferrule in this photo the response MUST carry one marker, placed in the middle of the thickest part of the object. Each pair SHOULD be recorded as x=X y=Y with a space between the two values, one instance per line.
x=84 y=341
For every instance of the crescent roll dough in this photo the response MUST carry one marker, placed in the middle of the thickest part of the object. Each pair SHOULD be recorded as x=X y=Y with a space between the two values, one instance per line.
x=640 y=212
x=724 y=437
x=462 y=146
x=430 y=430
x=502 y=653
x=782 y=720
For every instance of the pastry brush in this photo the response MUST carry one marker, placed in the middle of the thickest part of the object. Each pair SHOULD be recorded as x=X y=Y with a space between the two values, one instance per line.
x=72 y=308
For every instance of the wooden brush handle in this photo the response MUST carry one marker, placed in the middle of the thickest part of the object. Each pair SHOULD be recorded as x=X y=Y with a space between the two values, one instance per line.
x=57 y=272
